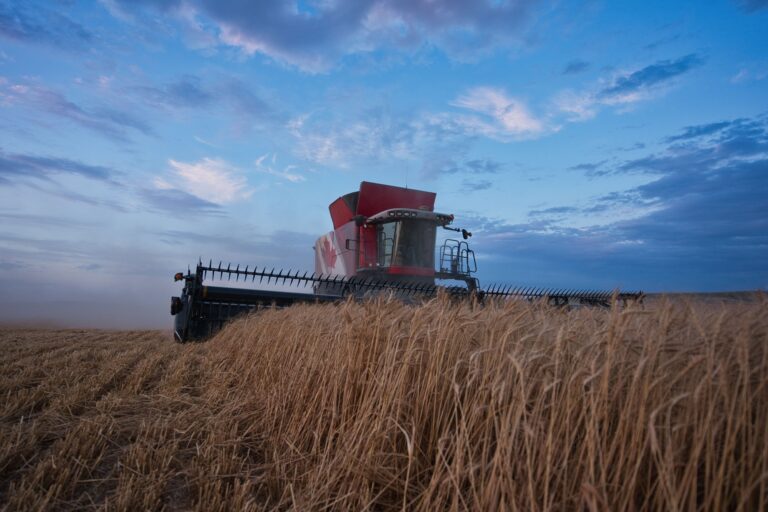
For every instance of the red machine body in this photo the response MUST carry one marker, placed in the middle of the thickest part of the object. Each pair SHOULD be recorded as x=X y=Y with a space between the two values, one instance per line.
x=381 y=231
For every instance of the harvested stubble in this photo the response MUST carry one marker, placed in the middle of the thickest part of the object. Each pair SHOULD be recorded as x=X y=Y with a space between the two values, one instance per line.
x=387 y=406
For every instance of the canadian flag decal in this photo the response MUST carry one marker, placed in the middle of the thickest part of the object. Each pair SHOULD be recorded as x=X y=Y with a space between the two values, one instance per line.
x=329 y=253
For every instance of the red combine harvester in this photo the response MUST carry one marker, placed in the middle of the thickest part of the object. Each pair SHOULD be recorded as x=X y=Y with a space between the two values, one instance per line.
x=388 y=234
x=384 y=240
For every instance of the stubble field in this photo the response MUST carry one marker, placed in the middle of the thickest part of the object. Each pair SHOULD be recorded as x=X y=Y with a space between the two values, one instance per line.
x=384 y=406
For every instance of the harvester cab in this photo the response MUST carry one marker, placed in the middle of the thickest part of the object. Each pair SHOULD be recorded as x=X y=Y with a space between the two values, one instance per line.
x=389 y=234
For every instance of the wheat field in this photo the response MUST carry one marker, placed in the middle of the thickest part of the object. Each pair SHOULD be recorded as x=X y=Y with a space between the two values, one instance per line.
x=385 y=406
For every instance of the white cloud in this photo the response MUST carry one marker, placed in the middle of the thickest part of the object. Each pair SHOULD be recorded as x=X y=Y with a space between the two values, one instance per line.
x=501 y=116
x=211 y=179
x=575 y=106
x=748 y=75
x=314 y=36
x=286 y=174
x=339 y=141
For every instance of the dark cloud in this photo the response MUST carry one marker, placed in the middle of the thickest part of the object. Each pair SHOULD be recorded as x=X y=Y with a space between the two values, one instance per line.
x=691 y=132
x=90 y=266
x=178 y=202
x=633 y=147
x=56 y=190
x=32 y=22
x=26 y=219
x=185 y=92
x=650 y=76
x=314 y=35
x=107 y=121
x=705 y=225
x=477 y=185
x=557 y=210
x=12 y=265
x=736 y=139
x=662 y=41
x=589 y=167
x=14 y=166
x=753 y=5
x=244 y=101
x=190 y=92
x=575 y=67
x=436 y=166
x=483 y=166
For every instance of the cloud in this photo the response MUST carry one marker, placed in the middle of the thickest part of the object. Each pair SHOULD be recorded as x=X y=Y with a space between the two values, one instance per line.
x=576 y=66
x=701 y=223
x=442 y=165
x=741 y=76
x=264 y=164
x=622 y=89
x=46 y=221
x=210 y=179
x=476 y=185
x=502 y=117
x=90 y=267
x=739 y=140
x=177 y=202
x=692 y=132
x=107 y=121
x=589 y=167
x=484 y=166
x=662 y=41
x=372 y=135
x=626 y=88
x=314 y=36
x=31 y=22
x=753 y=5
x=184 y=92
x=10 y=266
x=557 y=210
x=191 y=92
x=575 y=106
x=243 y=100
x=14 y=166
x=753 y=73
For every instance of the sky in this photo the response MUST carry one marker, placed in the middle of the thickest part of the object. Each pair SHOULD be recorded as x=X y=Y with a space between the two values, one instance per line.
x=585 y=144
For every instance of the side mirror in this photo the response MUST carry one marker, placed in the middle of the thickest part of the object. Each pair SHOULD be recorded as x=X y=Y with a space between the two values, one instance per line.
x=466 y=234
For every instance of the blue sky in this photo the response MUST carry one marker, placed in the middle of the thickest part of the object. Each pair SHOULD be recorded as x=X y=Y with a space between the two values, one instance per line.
x=586 y=144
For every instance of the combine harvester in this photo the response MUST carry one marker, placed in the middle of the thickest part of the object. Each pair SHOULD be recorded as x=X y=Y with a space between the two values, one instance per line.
x=384 y=240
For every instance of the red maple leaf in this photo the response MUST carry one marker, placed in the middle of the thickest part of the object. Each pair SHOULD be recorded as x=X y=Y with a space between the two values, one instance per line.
x=329 y=254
